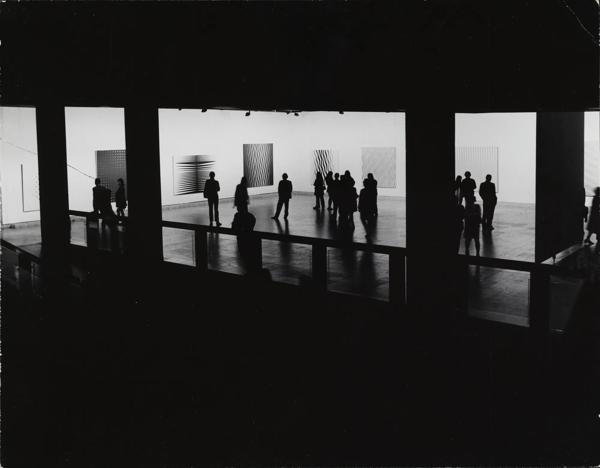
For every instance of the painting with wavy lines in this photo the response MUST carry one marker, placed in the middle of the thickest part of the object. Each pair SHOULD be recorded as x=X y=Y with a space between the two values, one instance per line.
x=190 y=173
x=258 y=164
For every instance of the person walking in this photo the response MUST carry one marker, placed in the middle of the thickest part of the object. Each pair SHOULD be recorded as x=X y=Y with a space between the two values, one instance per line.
x=319 y=185
x=120 y=198
x=366 y=206
x=241 y=200
x=472 y=223
x=284 y=189
x=487 y=192
x=372 y=184
x=211 y=193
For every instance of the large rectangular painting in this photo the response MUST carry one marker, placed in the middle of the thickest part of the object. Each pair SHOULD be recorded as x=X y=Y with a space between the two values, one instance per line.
x=258 y=164
x=190 y=173
x=30 y=188
x=591 y=166
x=110 y=166
x=324 y=160
x=381 y=162
x=479 y=161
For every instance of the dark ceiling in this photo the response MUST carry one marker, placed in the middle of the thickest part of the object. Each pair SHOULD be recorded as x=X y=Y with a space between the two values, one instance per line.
x=463 y=55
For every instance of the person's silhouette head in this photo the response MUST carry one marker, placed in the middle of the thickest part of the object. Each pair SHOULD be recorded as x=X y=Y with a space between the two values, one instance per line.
x=284 y=176
x=467 y=175
x=243 y=182
x=488 y=178
x=330 y=173
x=120 y=182
x=458 y=179
x=347 y=173
x=211 y=174
x=370 y=176
x=97 y=181
x=336 y=176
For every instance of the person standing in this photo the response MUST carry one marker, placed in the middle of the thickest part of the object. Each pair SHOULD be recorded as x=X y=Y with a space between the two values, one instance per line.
x=457 y=184
x=487 y=192
x=120 y=198
x=467 y=187
x=284 y=189
x=367 y=206
x=593 y=225
x=211 y=193
x=329 y=182
x=472 y=223
x=459 y=216
x=319 y=185
x=372 y=185
x=241 y=200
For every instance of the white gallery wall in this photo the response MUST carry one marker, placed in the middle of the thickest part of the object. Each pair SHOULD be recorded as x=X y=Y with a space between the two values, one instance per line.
x=222 y=134
x=515 y=136
x=18 y=149
x=89 y=129
x=592 y=151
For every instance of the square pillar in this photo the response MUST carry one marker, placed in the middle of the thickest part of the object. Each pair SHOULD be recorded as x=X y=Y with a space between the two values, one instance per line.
x=430 y=237
x=559 y=190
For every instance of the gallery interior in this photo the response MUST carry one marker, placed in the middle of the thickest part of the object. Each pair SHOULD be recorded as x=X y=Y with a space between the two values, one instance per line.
x=158 y=337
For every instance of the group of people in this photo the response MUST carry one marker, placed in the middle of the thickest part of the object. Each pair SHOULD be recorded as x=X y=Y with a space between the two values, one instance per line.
x=101 y=201
x=469 y=218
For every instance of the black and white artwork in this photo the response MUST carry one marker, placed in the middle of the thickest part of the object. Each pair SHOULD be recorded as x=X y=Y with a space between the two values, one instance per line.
x=479 y=161
x=591 y=166
x=324 y=160
x=381 y=162
x=30 y=189
x=190 y=172
x=258 y=164
x=111 y=165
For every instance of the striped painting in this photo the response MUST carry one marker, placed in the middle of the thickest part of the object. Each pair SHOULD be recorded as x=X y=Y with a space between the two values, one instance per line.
x=258 y=164
x=324 y=160
x=479 y=161
x=381 y=162
x=190 y=173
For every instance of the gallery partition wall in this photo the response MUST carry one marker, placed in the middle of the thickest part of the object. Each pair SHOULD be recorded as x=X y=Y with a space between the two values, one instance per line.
x=591 y=153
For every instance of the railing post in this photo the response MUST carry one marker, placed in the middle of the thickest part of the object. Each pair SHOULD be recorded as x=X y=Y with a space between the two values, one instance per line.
x=539 y=301
x=397 y=281
x=319 y=266
x=201 y=249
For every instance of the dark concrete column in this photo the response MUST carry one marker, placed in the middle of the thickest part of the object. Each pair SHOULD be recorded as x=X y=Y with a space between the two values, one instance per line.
x=144 y=228
x=430 y=237
x=559 y=188
x=54 y=196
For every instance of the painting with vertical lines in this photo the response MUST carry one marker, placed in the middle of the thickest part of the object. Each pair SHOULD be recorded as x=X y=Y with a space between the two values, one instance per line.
x=190 y=172
x=381 y=162
x=479 y=161
x=110 y=166
x=324 y=160
x=258 y=164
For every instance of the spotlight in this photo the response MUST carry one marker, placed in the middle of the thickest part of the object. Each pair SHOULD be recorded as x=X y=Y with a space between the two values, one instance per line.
x=287 y=112
x=248 y=114
x=296 y=114
x=203 y=110
x=341 y=112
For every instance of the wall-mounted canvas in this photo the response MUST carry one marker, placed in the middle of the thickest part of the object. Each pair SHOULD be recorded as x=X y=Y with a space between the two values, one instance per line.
x=479 y=161
x=591 y=166
x=381 y=162
x=30 y=188
x=190 y=173
x=324 y=160
x=258 y=164
x=110 y=166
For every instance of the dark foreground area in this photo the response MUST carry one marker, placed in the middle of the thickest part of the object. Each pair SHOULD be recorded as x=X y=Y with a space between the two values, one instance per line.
x=241 y=371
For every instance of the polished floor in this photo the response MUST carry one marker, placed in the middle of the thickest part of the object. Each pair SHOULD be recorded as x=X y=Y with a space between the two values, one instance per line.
x=494 y=294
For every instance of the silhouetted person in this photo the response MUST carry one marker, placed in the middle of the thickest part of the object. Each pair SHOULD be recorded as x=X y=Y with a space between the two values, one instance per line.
x=367 y=205
x=348 y=203
x=457 y=193
x=372 y=184
x=334 y=193
x=284 y=190
x=243 y=223
x=467 y=187
x=121 y=198
x=487 y=192
x=593 y=226
x=459 y=214
x=329 y=182
x=319 y=191
x=101 y=203
x=472 y=223
x=349 y=178
x=241 y=200
x=211 y=193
